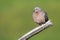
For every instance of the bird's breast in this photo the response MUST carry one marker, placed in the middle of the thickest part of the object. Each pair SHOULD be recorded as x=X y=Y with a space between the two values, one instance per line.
x=38 y=18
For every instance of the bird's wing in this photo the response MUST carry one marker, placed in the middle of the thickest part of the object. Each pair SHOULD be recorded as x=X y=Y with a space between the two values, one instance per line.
x=46 y=17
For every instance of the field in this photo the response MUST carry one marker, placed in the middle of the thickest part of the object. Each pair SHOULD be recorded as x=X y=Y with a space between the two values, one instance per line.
x=16 y=19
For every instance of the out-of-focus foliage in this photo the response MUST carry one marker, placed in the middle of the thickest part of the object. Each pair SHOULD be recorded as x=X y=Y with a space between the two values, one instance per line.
x=16 y=19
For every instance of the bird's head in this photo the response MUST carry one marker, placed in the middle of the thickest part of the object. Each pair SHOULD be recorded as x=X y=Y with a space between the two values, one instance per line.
x=37 y=9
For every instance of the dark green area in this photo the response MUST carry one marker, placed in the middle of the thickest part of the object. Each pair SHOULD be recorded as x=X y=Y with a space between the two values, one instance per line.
x=16 y=19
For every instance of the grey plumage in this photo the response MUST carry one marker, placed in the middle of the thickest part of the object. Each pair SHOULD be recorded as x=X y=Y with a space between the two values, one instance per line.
x=40 y=16
x=46 y=17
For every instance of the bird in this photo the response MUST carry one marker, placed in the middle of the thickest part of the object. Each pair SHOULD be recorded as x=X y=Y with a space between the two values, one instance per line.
x=39 y=16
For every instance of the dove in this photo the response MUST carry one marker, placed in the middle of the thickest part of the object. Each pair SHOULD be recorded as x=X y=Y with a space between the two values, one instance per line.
x=40 y=16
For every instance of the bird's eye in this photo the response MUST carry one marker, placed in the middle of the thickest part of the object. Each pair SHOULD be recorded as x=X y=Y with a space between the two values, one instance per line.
x=36 y=9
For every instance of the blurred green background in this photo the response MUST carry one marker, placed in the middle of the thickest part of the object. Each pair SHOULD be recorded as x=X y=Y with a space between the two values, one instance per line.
x=16 y=19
